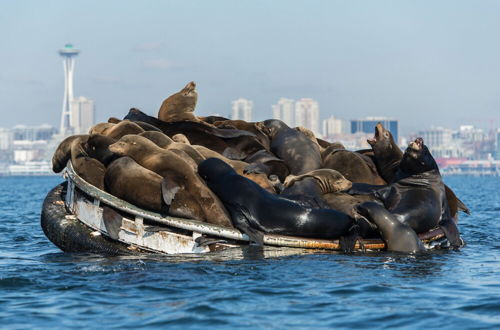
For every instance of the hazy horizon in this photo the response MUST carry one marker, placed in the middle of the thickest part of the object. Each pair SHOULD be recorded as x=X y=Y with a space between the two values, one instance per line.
x=424 y=63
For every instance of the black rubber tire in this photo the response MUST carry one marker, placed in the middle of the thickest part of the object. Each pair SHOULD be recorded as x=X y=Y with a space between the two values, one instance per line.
x=69 y=234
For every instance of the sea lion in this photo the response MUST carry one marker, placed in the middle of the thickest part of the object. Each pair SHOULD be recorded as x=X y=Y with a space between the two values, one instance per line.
x=125 y=127
x=298 y=152
x=180 y=106
x=135 y=184
x=63 y=152
x=417 y=196
x=251 y=127
x=101 y=128
x=181 y=184
x=97 y=146
x=181 y=138
x=90 y=169
x=232 y=143
x=353 y=166
x=255 y=211
x=328 y=180
x=165 y=142
x=398 y=236
x=264 y=162
x=387 y=156
x=212 y=119
x=240 y=168
x=310 y=134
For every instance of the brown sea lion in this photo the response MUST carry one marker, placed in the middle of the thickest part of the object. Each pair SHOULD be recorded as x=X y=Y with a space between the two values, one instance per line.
x=181 y=138
x=180 y=182
x=63 y=152
x=165 y=142
x=180 y=106
x=125 y=127
x=232 y=143
x=310 y=134
x=135 y=184
x=328 y=180
x=90 y=169
x=101 y=128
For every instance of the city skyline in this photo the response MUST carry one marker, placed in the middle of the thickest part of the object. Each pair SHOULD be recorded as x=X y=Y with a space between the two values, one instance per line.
x=425 y=63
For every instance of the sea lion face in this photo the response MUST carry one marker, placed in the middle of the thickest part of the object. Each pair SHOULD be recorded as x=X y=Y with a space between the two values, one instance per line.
x=382 y=140
x=272 y=126
x=417 y=158
x=127 y=145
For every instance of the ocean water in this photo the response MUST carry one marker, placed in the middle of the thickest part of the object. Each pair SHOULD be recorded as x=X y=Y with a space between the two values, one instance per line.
x=42 y=287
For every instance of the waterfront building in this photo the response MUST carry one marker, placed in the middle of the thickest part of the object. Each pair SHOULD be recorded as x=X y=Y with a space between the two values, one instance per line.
x=284 y=110
x=332 y=126
x=68 y=53
x=307 y=114
x=5 y=139
x=33 y=133
x=82 y=115
x=368 y=124
x=436 y=137
x=497 y=144
x=242 y=109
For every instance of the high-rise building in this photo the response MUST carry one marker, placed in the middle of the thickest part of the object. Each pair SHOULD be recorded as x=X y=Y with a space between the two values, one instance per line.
x=332 y=126
x=436 y=137
x=368 y=124
x=82 y=115
x=242 y=109
x=307 y=114
x=68 y=53
x=284 y=111
x=497 y=144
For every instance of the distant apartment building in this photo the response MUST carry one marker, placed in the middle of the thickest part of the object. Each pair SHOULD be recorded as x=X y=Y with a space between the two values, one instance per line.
x=368 y=124
x=436 y=137
x=307 y=114
x=82 y=115
x=284 y=110
x=333 y=126
x=5 y=139
x=242 y=109
x=445 y=143
x=29 y=143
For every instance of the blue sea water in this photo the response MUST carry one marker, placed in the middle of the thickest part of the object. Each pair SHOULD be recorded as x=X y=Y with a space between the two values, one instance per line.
x=42 y=287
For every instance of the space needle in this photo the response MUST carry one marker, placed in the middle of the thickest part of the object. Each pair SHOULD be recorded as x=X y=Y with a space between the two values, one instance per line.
x=68 y=53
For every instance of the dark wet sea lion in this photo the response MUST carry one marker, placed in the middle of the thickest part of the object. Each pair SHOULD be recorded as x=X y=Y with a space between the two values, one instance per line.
x=298 y=152
x=251 y=127
x=264 y=162
x=143 y=125
x=97 y=146
x=387 y=156
x=352 y=165
x=212 y=119
x=398 y=236
x=180 y=184
x=239 y=166
x=63 y=152
x=255 y=211
x=135 y=184
x=180 y=106
x=232 y=143
x=417 y=197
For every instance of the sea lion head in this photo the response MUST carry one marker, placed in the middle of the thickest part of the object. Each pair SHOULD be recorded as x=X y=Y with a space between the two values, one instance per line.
x=212 y=169
x=271 y=126
x=417 y=158
x=181 y=138
x=101 y=128
x=382 y=140
x=190 y=90
x=130 y=144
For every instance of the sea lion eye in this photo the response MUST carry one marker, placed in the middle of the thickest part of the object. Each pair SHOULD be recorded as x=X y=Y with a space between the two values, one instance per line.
x=386 y=134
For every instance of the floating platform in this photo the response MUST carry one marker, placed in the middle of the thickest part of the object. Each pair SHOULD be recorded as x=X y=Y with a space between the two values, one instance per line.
x=78 y=217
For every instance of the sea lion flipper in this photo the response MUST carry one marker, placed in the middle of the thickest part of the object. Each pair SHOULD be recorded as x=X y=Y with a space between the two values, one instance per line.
x=462 y=207
x=168 y=190
x=451 y=232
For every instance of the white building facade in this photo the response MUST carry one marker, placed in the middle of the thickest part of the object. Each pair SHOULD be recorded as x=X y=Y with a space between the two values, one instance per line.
x=307 y=114
x=284 y=110
x=333 y=126
x=82 y=115
x=242 y=109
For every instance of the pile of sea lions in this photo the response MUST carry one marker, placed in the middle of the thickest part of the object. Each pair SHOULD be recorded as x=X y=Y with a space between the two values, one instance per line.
x=265 y=177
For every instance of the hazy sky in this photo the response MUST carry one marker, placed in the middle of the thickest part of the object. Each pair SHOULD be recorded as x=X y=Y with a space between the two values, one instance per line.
x=422 y=62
